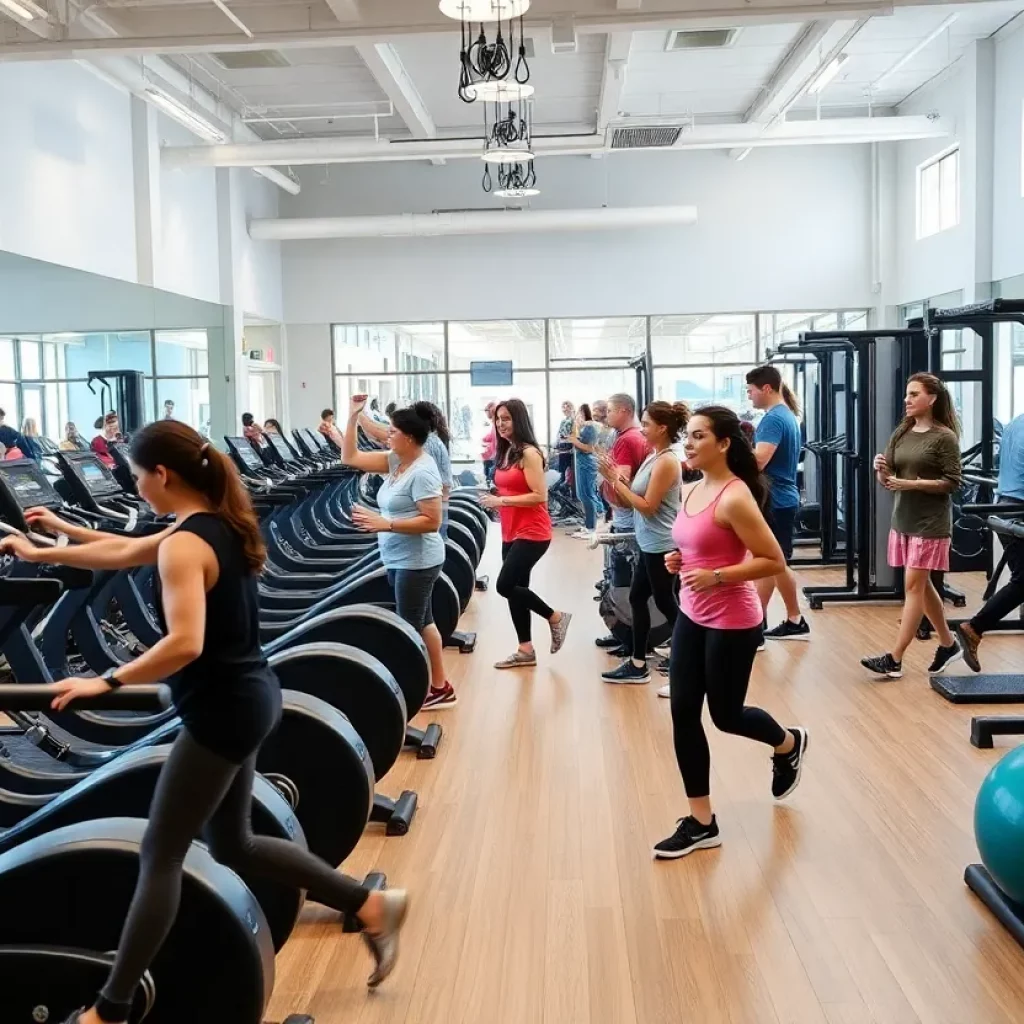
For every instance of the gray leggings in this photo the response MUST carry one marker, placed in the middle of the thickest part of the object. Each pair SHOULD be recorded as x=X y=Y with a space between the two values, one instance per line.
x=198 y=789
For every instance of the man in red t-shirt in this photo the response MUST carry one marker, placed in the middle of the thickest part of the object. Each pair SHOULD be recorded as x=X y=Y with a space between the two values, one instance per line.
x=628 y=452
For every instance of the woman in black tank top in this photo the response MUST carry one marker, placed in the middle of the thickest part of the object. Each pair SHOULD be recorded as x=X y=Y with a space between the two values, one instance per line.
x=226 y=693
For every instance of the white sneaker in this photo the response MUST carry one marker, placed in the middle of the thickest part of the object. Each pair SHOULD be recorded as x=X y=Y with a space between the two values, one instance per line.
x=583 y=534
x=665 y=691
x=663 y=650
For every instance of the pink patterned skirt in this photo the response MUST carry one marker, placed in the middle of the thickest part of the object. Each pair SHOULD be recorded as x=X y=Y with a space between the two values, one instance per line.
x=906 y=551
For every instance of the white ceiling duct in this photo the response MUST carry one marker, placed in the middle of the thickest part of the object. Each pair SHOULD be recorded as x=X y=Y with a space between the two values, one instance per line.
x=471 y=222
x=296 y=152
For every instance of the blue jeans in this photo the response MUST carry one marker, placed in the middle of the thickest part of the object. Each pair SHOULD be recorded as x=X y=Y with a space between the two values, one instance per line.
x=587 y=491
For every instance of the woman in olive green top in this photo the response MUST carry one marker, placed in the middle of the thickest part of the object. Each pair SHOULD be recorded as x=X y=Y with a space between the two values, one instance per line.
x=922 y=466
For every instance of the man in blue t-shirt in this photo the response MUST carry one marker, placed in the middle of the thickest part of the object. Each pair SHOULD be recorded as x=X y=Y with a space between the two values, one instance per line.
x=777 y=447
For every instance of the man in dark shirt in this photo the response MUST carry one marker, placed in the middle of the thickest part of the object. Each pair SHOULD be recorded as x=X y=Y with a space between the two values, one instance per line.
x=9 y=437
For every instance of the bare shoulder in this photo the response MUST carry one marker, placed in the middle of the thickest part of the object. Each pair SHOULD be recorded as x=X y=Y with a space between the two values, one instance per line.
x=532 y=457
x=737 y=501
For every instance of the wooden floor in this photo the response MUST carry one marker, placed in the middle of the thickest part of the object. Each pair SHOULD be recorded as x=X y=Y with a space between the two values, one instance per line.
x=535 y=898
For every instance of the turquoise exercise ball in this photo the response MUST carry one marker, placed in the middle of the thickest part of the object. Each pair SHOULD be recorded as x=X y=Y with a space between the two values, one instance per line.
x=999 y=823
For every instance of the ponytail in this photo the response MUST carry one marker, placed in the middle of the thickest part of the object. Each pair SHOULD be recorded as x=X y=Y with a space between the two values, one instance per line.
x=672 y=416
x=739 y=456
x=790 y=399
x=430 y=413
x=179 y=449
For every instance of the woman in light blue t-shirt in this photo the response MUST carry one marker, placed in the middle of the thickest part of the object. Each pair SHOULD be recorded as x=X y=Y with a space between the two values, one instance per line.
x=407 y=527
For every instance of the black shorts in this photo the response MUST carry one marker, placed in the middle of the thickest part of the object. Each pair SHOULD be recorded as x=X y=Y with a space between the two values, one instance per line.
x=414 y=589
x=782 y=522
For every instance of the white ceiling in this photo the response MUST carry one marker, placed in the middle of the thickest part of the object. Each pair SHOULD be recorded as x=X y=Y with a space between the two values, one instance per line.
x=390 y=67
x=333 y=85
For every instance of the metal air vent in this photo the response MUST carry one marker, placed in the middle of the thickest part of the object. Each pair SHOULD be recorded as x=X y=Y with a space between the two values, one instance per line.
x=651 y=137
x=701 y=39
x=244 y=60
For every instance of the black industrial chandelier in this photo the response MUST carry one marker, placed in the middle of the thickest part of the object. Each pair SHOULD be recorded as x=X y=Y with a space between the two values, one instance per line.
x=492 y=69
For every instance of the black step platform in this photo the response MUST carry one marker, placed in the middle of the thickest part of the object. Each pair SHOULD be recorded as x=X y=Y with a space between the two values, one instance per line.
x=980 y=689
x=1009 y=913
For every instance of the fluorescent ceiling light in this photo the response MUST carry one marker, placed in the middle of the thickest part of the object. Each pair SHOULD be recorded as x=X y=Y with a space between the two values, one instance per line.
x=17 y=9
x=912 y=53
x=828 y=72
x=499 y=91
x=177 y=110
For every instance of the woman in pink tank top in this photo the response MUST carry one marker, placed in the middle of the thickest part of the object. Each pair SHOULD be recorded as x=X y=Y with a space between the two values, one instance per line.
x=722 y=544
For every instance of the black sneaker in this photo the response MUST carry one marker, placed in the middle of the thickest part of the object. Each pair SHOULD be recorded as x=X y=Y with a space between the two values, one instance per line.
x=618 y=652
x=786 y=768
x=627 y=672
x=663 y=666
x=884 y=665
x=944 y=657
x=787 y=630
x=689 y=836
x=611 y=640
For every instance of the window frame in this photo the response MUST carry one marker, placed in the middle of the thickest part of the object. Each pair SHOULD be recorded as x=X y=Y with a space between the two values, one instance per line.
x=936 y=161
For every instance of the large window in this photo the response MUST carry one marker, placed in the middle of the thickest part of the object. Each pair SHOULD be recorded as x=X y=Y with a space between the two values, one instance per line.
x=938 y=194
x=696 y=358
x=45 y=377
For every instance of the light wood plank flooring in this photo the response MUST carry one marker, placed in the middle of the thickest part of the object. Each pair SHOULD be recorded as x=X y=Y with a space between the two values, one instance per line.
x=535 y=898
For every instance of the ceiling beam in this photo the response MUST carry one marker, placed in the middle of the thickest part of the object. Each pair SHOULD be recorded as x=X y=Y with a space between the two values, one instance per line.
x=345 y=10
x=156 y=31
x=613 y=84
x=383 y=62
x=789 y=68
x=37 y=20
x=297 y=152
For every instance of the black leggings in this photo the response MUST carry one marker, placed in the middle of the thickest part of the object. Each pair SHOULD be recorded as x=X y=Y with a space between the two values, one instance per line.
x=199 y=788
x=651 y=579
x=518 y=558
x=715 y=663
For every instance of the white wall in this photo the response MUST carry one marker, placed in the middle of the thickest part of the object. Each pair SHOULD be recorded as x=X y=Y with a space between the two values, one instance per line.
x=66 y=186
x=257 y=264
x=187 y=260
x=941 y=262
x=783 y=229
x=1008 y=222
x=309 y=386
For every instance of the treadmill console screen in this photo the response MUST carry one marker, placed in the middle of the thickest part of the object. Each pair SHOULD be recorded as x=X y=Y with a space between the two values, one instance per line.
x=247 y=454
x=96 y=476
x=281 y=446
x=26 y=482
x=317 y=438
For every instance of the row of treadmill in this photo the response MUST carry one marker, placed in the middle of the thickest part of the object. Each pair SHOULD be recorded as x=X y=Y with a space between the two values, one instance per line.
x=75 y=786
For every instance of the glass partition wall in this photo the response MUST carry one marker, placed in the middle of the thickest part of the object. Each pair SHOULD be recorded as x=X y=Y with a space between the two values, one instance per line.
x=44 y=377
x=696 y=358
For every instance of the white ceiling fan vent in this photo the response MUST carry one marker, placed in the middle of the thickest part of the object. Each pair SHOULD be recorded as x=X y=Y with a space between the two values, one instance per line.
x=701 y=39
x=646 y=137
x=245 y=60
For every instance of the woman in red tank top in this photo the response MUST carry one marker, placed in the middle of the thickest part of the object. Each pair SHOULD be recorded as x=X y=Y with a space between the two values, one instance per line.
x=722 y=544
x=522 y=503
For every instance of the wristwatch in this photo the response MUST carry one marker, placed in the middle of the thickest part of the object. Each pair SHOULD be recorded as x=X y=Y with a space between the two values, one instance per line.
x=718 y=576
x=110 y=678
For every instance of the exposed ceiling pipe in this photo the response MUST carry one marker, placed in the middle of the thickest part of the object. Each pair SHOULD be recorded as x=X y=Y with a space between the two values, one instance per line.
x=486 y=222
x=297 y=152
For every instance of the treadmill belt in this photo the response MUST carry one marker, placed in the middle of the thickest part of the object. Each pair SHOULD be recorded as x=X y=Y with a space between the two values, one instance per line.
x=20 y=750
x=980 y=689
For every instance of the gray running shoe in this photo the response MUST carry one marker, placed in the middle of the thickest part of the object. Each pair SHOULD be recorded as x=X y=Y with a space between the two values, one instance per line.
x=558 y=631
x=384 y=945
x=517 y=659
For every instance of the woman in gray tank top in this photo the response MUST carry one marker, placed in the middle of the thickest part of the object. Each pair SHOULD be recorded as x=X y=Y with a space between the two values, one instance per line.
x=654 y=495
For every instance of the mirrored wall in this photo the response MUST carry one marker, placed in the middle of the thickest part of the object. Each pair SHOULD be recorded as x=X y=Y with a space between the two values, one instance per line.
x=44 y=377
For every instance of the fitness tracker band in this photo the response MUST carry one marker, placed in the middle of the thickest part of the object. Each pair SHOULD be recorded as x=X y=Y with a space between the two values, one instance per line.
x=110 y=678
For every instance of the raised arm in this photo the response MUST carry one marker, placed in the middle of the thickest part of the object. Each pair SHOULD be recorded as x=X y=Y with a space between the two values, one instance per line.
x=378 y=431
x=368 y=462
